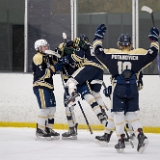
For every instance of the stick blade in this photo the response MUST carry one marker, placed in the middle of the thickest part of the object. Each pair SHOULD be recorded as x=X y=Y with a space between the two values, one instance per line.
x=146 y=9
x=50 y=52
x=64 y=35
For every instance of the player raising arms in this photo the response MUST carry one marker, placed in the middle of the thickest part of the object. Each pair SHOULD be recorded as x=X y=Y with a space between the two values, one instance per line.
x=123 y=64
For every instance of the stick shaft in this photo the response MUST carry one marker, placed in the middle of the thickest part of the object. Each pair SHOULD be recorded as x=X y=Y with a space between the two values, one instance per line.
x=89 y=127
x=152 y=18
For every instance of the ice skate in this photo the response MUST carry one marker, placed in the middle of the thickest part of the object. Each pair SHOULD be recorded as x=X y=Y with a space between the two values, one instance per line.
x=131 y=138
x=121 y=144
x=103 y=140
x=142 y=141
x=54 y=135
x=71 y=134
x=42 y=134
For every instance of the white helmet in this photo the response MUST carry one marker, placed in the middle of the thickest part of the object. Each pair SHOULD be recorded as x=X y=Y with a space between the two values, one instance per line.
x=40 y=43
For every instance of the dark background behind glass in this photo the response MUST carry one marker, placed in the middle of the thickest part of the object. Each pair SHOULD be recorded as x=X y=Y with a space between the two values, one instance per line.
x=49 y=18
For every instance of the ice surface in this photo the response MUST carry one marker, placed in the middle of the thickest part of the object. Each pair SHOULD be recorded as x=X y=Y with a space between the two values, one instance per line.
x=20 y=144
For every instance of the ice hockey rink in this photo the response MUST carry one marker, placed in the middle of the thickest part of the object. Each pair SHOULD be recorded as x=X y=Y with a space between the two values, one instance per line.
x=20 y=144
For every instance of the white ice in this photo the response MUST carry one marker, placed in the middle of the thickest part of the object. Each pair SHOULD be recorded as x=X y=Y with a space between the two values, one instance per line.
x=20 y=144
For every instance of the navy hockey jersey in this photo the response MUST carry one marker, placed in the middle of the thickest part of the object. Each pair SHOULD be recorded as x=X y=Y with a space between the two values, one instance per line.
x=117 y=60
x=42 y=75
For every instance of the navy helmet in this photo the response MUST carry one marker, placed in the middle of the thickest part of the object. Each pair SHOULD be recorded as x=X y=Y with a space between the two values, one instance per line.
x=124 y=40
x=84 y=37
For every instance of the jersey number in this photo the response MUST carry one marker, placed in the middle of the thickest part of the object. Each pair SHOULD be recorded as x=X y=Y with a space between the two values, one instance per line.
x=123 y=65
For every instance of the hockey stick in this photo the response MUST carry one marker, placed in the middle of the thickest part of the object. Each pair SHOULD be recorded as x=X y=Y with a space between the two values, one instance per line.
x=50 y=52
x=150 y=11
x=89 y=127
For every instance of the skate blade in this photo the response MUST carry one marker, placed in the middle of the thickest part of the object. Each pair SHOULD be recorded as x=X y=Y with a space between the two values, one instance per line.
x=141 y=150
x=43 y=138
x=70 y=138
x=120 y=150
x=101 y=143
x=55 y=137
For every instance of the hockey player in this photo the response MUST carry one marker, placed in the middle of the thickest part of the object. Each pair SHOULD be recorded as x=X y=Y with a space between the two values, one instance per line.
x=110 y=126
x=43 y=70
x=69 y=67
x=87 y=90
x=124 y=64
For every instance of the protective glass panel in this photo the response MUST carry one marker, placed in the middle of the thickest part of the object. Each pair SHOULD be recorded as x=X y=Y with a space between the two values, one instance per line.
x=47 y=19
x=115 y=14
x=12 y=35
x=145 y=23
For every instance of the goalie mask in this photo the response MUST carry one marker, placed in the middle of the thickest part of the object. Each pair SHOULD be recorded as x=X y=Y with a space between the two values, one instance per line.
x=39 y=44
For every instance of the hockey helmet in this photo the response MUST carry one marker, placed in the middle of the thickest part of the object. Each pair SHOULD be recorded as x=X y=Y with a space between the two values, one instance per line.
x=70 y=43
x=84 y=37
x=40 y=43
x=124 y=40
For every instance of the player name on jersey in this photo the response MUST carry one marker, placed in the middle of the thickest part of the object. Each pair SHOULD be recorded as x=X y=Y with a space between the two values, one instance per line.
x=124 y=57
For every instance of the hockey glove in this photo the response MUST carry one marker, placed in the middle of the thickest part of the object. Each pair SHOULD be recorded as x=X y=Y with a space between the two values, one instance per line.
x=58 y=67
x=100 y=31
x=107 y=91
x=153 y=34
x=58 y=51
x=68 y=51
x=64 y=60
x=50 y=58
x=48 y=61
x=70 y=100
x=140 y=84
x=78 y=43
